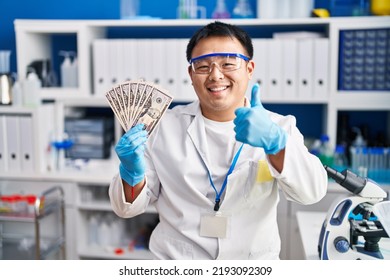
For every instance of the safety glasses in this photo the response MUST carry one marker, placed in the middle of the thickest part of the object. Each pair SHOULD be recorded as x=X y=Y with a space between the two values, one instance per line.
x=225 y=62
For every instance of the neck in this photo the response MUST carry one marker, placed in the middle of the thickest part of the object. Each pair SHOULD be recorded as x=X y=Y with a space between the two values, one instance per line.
x=222 y=115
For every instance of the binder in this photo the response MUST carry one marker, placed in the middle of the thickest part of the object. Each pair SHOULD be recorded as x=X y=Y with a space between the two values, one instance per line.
x=144 y=64
x=157 y=62
x=305 y=69
x=185 y=84
x=114 y=66
x=321 y=68
x=120 y=74
x=260 y=74
x=13 y=143
x=130 y=59
x=100 y=66
x=26 y=135
x=289 y=68
x=274 y=81
x=171 y=67
x=3 y=145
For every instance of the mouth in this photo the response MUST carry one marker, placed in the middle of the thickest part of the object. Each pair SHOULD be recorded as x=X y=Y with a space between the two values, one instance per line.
x=216 y=89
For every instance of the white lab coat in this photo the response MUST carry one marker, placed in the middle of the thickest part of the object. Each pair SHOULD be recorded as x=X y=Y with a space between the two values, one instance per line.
x=177 y=184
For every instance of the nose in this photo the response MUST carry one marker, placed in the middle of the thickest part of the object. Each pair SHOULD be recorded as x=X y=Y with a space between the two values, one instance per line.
x=215 y=72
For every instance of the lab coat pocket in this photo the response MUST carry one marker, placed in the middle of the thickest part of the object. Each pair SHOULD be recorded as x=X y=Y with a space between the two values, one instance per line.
x=260 y=182
x=251 y=181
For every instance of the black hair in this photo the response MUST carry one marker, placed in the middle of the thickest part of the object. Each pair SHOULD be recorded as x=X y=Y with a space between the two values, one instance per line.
x=218 y=28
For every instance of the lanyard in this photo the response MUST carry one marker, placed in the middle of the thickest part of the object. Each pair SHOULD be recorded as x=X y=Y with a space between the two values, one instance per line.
x=218 y=194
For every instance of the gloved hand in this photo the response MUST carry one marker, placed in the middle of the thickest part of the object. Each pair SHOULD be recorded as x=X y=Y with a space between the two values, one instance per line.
x=130 y=150
x=254 y=127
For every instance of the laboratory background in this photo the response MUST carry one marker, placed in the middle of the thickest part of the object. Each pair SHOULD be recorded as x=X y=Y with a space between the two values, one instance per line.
x=325 y=62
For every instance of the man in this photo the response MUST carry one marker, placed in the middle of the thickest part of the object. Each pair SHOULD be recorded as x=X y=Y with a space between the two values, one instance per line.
x=214 y=168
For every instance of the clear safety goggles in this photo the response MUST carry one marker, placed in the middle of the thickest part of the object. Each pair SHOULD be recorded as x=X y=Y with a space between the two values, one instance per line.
x=225 y=62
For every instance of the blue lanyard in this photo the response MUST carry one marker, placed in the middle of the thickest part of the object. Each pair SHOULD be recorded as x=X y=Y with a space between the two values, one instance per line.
x=218 y=194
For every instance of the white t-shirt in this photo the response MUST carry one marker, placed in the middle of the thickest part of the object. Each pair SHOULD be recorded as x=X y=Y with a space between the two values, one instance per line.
x=221 y=145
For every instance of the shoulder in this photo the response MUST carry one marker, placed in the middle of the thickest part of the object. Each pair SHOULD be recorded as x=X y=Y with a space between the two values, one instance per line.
x=176 y=120
x=282 y=120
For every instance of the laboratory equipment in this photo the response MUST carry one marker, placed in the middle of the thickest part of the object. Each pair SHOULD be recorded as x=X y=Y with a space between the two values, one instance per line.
x=325 y=151
x=69 y=69
x=340 y=161
x=351 y=231
x=31 y=89
x=60 y=146
x=220 y=10
x=130 y=9
x=5 y=78
x=243 y=10
x=189 y=9
x=36 y=234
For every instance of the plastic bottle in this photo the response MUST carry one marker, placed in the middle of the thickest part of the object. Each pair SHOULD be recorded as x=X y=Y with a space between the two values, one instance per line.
x=104 y=235
x=93 y=230
x=31 y=89
x=75 y=72
x=17 y=93
x=325 y=150
x=243 y=10
x=359 y=155
x=340 y=159
x=67 y=70
x=220 y=10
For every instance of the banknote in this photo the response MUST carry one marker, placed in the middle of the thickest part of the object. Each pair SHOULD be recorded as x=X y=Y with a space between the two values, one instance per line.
x=138 y=102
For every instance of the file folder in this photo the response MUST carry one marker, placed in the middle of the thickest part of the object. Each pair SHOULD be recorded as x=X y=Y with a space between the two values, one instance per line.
x=157 y=63
x=305 y=69
x=186 y=90
x=289 y=68
x=114 y=63
x=3 y=145
x=13 y=143
x=171 y=66
x=100 y=65
x=274 y=81
x=26 y=135
x=260 y=58
x=130 y=59
x=120 y=73
x=321 y=68
x=144 y=64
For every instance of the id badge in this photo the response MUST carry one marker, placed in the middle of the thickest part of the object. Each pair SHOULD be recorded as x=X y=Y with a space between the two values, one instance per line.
x=214 y=225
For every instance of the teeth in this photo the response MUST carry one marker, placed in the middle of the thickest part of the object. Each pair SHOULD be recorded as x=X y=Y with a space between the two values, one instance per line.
x=218 y=88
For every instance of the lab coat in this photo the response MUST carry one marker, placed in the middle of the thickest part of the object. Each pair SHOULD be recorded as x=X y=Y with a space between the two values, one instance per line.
x=177 y=184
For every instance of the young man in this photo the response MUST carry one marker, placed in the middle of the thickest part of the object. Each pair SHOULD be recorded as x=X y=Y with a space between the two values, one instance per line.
x=214 y=168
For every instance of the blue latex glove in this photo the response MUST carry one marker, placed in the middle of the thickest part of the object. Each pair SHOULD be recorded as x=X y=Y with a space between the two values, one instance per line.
x=254 y=127
x=130 y=150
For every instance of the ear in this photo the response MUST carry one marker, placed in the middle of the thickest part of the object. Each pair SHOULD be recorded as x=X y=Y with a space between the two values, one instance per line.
x=250 y=67
x=190 y=72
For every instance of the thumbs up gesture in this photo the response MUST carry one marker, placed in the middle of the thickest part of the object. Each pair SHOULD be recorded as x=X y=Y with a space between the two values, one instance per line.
x=254 y=127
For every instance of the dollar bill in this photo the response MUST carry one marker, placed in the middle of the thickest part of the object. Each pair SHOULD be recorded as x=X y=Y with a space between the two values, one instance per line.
x=138 y=102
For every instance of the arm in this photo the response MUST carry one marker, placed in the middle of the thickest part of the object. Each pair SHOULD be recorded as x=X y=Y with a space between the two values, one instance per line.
x=277 y=160
x=131 y=152
x=254 y=126
x=132 y=192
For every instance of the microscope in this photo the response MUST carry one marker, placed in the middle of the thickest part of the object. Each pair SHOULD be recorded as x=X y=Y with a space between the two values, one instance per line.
x=351 y=231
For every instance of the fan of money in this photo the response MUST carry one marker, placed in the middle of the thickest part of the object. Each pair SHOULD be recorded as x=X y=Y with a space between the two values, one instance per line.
x=135 y=102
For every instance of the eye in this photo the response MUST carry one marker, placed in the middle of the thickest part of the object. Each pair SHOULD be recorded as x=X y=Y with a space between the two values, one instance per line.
x=202 y=67
x=228 y=65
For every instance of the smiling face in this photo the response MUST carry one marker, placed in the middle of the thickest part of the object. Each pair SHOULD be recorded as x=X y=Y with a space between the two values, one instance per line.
x=220 y=94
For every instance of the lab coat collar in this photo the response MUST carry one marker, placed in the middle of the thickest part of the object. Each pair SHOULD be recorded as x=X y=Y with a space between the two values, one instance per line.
x=196 y=130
